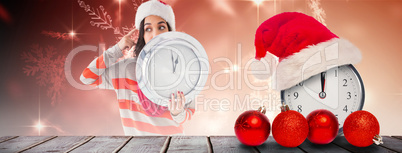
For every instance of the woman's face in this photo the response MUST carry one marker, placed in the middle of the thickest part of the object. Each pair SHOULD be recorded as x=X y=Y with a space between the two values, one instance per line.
x=153 y=26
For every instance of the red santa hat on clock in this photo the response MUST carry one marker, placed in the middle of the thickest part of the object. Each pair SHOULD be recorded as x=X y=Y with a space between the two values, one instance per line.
x=304 y=47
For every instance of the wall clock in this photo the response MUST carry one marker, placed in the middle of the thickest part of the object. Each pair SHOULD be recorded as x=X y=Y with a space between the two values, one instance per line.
x=171 y=62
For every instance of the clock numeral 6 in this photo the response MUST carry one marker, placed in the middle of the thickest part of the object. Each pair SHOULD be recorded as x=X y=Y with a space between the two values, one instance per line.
x=299 y=108
x=349 y=96
x=296 y=95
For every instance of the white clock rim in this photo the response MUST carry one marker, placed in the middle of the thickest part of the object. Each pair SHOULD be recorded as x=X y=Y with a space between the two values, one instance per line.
x=360 y=82
x=199 y=52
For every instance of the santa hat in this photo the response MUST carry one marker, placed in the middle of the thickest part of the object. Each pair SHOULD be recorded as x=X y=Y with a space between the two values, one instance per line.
x=158 y=8
x=304 y=46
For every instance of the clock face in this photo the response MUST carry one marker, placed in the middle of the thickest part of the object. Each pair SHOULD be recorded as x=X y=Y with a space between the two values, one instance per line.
x=171 y=62
x=174 y=67
x=339 y=90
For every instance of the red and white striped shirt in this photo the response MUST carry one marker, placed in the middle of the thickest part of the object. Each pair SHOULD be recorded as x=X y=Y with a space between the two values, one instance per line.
x=106 y=73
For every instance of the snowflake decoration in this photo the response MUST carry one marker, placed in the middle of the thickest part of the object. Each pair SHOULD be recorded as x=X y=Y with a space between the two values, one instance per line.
x=48 y=69
x=101 y=19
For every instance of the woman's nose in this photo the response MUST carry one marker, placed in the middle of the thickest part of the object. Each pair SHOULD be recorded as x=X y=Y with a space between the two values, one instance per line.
x=155 y=33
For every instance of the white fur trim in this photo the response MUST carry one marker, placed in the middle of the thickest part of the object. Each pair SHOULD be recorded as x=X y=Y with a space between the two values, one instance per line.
x=262 y=69
x=306 y=63
x=154 y=7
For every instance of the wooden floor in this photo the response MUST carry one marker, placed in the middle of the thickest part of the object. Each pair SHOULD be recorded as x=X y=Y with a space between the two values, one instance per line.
x=141 y=144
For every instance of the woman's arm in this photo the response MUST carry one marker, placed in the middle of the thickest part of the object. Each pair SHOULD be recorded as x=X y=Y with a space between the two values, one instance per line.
x=180 y=111
x=95 y=75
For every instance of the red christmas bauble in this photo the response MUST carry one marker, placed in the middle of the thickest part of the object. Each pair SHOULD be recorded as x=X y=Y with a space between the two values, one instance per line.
x=252 y=128
x=289 y=128
x=361 y=128
x=323 y=126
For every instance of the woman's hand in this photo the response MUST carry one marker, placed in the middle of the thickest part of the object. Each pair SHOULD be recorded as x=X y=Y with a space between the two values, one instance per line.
x=176 y=103
x=127 y=43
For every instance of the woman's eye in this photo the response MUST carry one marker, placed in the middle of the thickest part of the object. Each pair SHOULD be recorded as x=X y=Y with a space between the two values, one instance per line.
x=148 y=29
x=162 y=28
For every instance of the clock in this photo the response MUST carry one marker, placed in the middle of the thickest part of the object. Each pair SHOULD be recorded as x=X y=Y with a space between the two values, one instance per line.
x=171 y=62
x=339 y=90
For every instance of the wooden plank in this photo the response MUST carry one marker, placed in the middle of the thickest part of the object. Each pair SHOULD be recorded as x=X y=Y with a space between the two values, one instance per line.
x=192 y=144
x=311 y=147
x=209 y=145
x=81 y=143
x=101 y=144
x=342 y=142
x=17 y=144
x=37 y=144
x=229 y=144
x=144 y=144
x=59 y=144
x=271 y=146
x=6 y=138
x=392 y=143
x=398 y=137
x=166 y=145
x=122 y=145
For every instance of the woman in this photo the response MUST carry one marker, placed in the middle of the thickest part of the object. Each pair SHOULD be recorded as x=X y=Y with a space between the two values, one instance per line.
x=139 y=115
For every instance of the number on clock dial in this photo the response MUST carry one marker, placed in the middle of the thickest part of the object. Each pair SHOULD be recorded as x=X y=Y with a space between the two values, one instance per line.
x=341 y=93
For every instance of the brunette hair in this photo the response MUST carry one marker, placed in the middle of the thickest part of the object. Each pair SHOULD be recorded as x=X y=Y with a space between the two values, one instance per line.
x=141 y=42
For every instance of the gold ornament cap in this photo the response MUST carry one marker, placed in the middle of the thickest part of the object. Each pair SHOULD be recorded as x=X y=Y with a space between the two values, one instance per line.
x=378 y=140
x=262 y=109
x=284 y=108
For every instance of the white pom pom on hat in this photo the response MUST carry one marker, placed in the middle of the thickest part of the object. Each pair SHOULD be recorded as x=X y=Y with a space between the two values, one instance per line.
x=158 y=8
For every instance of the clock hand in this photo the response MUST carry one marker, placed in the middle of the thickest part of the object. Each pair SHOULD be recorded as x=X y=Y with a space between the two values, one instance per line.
x=323 y=74
x=174 y=66
x=322 y=94
x=330 y=102
x=176 y=62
